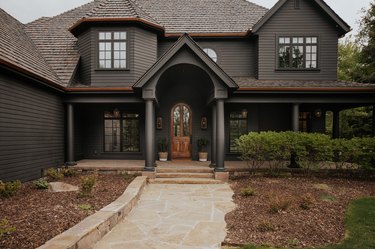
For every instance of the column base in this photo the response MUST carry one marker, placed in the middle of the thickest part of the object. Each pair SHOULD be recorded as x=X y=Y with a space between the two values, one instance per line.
x=212 y=165
x=149 y=174
x=222 y=176
x=69 y=164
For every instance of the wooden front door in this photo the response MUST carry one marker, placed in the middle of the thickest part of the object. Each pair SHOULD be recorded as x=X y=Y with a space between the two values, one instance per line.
x=181 y=118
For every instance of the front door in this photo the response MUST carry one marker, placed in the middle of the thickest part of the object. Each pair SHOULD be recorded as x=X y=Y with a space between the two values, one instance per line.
x=181 y=118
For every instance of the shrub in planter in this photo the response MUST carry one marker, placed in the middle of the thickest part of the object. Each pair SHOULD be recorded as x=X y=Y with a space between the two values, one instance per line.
x=249 y=191
x=364 y=152
x=202 y=149
x=54 y=174
x=5 y=228
x=68 y=171
x=87 y=184
x=163 y=149
x=7 y=189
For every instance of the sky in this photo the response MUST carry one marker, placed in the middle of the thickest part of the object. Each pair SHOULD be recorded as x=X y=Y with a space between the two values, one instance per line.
x=29 y=10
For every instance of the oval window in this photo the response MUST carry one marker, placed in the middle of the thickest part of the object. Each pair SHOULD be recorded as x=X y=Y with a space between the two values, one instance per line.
x=211 y=53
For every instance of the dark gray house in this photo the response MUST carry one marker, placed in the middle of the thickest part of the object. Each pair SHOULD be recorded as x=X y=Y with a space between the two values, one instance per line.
x=108 y=79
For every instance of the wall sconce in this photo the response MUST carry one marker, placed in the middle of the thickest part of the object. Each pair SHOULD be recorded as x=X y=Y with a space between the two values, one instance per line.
x=204 y=123
x=159 y=123
x=116 y=113
x=318 y=113
x=244 y=113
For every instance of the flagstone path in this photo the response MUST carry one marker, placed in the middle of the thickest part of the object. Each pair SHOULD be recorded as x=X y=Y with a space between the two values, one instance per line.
x=178 y=216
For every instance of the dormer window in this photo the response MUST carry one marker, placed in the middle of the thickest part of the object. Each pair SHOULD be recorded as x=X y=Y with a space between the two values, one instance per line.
x=298 y=52
x=112 y=50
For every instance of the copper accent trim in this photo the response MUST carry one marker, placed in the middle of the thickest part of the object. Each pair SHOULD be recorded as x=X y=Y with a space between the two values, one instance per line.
x=308 y=89
x=224 y=34
x=99 y=89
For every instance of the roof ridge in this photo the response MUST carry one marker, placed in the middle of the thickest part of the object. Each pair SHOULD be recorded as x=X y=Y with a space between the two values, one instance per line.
x=96 y=7
x=142 y=9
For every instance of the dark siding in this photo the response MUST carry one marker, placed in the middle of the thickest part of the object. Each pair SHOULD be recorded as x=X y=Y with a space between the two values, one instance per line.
x=307 y=20
x=31 y=129
x=237 y=57
x=85 y=41
x=145 y=51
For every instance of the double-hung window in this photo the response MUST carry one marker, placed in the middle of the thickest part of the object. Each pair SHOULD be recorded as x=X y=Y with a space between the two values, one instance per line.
x=112 y=50
x=237 y=128
x=297 y=52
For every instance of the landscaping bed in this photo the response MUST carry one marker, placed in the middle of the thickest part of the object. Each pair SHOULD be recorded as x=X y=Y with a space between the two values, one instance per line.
x=293 y=212
x=39 y=215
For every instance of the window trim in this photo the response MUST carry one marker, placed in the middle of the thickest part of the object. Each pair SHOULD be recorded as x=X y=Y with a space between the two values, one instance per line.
x=247 y=127
x=121 y=118
x=288 y=35
x=97 y=67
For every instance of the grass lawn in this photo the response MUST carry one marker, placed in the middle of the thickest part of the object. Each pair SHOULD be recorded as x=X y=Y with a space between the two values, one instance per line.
x=360 y=227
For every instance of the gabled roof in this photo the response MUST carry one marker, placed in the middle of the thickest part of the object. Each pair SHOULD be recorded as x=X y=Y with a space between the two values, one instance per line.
x=18 y=51
x=185 y=40
x=323 y=5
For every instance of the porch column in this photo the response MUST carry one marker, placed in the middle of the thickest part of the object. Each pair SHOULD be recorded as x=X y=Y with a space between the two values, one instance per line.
x=213 y=136
x=336 y=124
x=295 y=117
x=220 y=136
x=150 y=135
x=70 y=135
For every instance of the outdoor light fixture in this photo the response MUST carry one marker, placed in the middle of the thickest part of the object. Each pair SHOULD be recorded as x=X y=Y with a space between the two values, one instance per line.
x=204 y=123
x=116 y=113
x=244 y=113
x=318 y=113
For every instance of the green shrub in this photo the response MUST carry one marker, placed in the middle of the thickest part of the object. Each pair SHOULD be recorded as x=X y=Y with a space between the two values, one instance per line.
x=68 y=171
x=87 y=184
x=5 y=228
x=249 y=191
x=202 y=144
x=41 y=183
x=54 y=174
x=85 y=207
x=365 y=152
x=7 y=189
x=328 y=198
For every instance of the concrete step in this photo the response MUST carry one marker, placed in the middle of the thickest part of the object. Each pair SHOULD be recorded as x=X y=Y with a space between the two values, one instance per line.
x=184 y=170
x=185 y=175
x=184 y=181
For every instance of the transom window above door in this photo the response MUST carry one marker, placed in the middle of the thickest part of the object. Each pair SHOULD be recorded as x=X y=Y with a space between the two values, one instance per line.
x=211 y=53
x=297 y=52
x=112 y=49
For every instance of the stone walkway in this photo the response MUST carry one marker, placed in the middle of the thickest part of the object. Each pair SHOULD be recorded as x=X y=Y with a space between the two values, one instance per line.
x=174 y=216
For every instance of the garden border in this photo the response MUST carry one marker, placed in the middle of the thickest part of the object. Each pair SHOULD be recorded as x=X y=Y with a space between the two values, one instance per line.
x=90 y=230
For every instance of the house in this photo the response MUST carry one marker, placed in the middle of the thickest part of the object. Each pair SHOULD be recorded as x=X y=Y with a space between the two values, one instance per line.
x=108 y=79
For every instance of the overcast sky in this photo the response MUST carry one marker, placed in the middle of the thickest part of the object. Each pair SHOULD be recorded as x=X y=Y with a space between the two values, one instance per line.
x=29 y=10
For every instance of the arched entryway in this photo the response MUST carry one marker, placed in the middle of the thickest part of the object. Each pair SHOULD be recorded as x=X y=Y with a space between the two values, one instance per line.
x=181 y=131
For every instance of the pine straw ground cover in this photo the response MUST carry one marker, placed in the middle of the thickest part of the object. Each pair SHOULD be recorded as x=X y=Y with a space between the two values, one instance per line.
x=292 y=212
x=38 y=215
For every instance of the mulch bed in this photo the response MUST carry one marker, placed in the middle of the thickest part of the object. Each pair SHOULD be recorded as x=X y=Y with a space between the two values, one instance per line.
x=39 y=215
x=320 y=223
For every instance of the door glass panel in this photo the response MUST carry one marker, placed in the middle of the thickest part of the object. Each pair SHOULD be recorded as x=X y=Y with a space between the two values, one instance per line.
x=176 y=121
x=186 y=121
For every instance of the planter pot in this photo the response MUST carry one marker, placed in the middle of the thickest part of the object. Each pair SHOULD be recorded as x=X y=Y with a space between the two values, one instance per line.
x=163 y=156
x=203 y=156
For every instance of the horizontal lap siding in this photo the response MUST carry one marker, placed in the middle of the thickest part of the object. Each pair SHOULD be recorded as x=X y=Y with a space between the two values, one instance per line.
x=31 y=129
x=85 y=42
x=306 y=21
x=145 y=51
x=237 y=57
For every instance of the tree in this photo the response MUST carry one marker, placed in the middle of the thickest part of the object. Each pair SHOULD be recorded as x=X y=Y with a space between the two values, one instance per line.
x=366 y=38
x=350 y=67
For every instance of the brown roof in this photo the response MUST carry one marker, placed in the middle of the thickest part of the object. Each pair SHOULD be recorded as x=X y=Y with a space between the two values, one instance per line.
x=18 y=51
x=250 y=83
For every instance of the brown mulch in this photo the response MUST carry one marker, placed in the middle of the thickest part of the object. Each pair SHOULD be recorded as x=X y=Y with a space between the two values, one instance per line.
x=321 y=224
x=39 y=215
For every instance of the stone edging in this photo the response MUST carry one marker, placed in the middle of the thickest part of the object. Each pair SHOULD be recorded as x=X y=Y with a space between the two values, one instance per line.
x=87 y=232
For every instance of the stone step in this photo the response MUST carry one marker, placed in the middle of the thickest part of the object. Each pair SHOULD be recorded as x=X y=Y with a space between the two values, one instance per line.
x=184 y=170
x=184 y=181
x=185 y=175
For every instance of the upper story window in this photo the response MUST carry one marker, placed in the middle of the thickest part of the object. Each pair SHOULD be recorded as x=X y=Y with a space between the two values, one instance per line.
x=298 y=52
x=211 y=53
x=112 y=50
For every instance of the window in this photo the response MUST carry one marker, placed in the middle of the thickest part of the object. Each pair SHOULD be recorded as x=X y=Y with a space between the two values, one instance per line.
x=121 y=132
x=305 y=121
x=237 y=128
x=298 y=53
x=211 y=53
x=112 y=50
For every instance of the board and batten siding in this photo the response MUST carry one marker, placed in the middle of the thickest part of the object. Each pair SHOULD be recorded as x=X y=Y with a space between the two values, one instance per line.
x=31 y=129
x=308 y=20
x=141 y=55
x=237 y=57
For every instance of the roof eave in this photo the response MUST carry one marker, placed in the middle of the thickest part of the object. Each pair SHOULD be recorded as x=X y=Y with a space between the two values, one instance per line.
x=74 y=29
x=308 y=89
